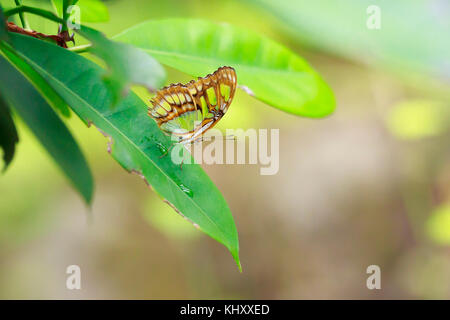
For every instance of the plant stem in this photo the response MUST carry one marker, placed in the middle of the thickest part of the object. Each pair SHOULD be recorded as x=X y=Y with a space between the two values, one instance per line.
x=81 y=49
x=66 y=15
x=24 y=21
x=36 y=11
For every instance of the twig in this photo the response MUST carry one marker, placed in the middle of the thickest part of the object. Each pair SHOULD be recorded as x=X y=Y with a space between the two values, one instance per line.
x=24 y=21
x=36 y=11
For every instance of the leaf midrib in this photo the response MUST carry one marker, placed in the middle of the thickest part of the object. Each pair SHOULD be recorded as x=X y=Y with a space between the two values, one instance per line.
x=308 y=70
x=230 y=62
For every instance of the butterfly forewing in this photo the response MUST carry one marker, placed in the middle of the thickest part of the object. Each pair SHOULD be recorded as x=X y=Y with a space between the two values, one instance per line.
x=190 y=110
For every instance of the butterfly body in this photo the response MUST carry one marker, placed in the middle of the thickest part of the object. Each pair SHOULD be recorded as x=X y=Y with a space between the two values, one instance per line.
x=187 y=111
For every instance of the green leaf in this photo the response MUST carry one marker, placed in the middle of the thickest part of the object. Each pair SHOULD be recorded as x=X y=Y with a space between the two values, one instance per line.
x=126 y=63
x=3 y=29
x=40 y=84
x=136 y=142
x=93 y=11
x=269 y=71
x=341 y=27
x=90 y=10
x=47 y=127
x=8 y=133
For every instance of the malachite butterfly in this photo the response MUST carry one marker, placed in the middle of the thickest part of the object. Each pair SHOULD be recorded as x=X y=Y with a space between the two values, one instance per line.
x=187 y=111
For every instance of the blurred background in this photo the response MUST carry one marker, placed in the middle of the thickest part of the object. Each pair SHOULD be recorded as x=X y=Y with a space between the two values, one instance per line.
x=368 y=185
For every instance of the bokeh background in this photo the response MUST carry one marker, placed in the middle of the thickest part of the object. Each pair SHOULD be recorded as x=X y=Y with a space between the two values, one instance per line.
x=367 y=185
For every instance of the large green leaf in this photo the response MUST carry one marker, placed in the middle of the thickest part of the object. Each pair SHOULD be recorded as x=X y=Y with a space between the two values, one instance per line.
x=413 y=35
x=136 y=141
x=47 y=127
x=269 y=71
x=8 y=132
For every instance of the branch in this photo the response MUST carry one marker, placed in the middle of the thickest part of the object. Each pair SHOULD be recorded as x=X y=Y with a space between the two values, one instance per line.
x=66 y=15
x=36 y=11
x=24 y=21
x=59 y=39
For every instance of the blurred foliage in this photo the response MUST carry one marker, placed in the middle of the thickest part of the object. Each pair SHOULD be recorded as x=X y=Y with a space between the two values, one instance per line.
x=22 y=217
x=417 y=119
x=161 y=217
x=8 y=132
x=438 y=225
x=413 y=35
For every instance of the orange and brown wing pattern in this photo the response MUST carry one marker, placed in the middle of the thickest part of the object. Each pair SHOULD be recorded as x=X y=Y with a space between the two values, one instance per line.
x=191 y=109
x=215 y=91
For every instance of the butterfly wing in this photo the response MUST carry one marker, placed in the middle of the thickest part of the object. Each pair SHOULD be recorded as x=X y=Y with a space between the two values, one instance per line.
x=188 y=111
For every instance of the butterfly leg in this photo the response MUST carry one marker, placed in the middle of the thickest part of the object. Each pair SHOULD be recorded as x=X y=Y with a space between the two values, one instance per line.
x=201 y=139
x=181 y=165
x=230 y=137
x=204 y=138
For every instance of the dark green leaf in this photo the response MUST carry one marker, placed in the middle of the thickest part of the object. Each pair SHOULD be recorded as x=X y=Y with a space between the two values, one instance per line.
x=8 y=132
x=47 y=126
x=136 y=141
x=3 y=30
x=271 y=72
x=41 y=85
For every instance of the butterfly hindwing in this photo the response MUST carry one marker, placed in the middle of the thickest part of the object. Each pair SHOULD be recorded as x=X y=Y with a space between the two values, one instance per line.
x=190 y=110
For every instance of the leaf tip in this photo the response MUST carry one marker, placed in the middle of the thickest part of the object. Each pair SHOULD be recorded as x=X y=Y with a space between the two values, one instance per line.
x=235 y=254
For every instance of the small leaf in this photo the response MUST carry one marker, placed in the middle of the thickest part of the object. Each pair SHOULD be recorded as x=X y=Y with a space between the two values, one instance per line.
x=136 y=142
x=265 y=69
x=47 y=127
x=8 y=133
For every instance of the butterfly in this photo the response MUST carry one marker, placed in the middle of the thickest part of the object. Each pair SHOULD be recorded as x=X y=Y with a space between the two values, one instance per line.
x=187 y=111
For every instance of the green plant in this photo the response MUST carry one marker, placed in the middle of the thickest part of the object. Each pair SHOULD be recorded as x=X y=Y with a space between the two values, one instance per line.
x=42 y=80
